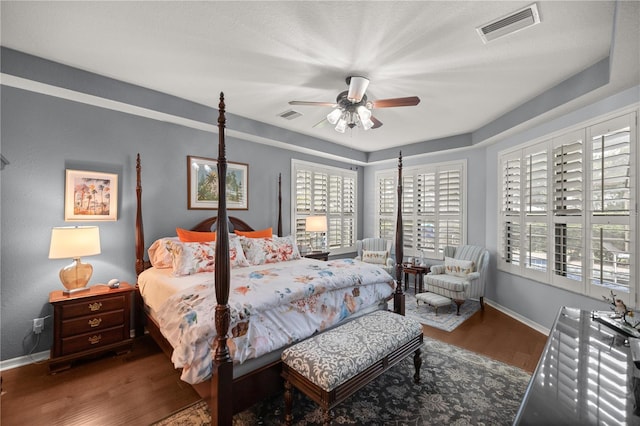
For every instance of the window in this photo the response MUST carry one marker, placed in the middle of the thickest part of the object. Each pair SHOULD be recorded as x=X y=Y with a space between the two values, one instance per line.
x=432 y=207
x=568 y=207
x=325 y=191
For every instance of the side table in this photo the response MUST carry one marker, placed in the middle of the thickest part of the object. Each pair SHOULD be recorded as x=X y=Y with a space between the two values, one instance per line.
x=90 y=323
x=418 y=275
x=318 y=255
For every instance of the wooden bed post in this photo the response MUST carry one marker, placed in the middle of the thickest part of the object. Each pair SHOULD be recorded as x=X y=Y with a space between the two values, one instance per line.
x=279 y=204
x=139 y=229
x=398 y=297
x=222 y=369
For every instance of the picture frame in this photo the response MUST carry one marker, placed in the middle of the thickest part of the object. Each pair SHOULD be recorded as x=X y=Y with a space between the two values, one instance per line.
x=202 y=184
x=90 y=196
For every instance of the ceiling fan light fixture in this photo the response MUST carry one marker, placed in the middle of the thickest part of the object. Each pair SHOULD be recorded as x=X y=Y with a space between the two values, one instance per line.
x=341 y=127
x=334 y=116
x=357 y=88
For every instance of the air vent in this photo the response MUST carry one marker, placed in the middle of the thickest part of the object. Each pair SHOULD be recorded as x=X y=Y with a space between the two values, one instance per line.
x=290 y=114
x=517 y=21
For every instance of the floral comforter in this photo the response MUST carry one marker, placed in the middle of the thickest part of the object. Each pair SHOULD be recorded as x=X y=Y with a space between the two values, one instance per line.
x=272 y=306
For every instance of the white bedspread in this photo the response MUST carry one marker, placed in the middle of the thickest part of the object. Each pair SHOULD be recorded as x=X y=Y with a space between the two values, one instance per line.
x=272 y=306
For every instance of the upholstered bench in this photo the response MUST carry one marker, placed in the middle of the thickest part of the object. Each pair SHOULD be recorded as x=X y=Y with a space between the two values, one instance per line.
x=331 y=366
x=433 y=299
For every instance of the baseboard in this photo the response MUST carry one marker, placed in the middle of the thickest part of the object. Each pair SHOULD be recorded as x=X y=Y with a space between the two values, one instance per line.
x=34 y=358
x=24 y=360
x=518 y=317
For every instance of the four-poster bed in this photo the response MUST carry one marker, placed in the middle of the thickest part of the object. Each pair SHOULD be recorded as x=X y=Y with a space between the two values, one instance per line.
x=233 y=387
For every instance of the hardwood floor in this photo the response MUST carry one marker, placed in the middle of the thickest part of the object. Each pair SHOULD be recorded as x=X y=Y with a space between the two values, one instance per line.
x=142 y=387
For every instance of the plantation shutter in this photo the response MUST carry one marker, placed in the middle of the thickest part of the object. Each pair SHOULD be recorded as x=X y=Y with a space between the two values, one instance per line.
x=568 y=201
x=449 y=207
x=325 y=191
x=511 y=191
x=610 y=207
x=426 y=213
x=535 y=211
x=386 y=199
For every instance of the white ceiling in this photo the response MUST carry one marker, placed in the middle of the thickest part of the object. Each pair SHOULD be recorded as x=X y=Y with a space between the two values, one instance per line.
x=264 y=54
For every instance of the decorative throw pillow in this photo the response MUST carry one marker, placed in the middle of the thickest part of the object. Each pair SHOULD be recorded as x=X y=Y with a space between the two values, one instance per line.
x=159 y=256
x=192 y=258
x=187 y=236
x=379 y=257
x=269 y=250
x=457 y=267
x=263 y=233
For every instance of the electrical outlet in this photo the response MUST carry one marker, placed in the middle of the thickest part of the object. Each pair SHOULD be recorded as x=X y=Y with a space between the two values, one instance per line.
x=38 y=325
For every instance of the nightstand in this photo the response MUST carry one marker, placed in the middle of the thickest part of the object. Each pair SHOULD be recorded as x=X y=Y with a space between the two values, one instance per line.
x=90 y=323
x=318 y=255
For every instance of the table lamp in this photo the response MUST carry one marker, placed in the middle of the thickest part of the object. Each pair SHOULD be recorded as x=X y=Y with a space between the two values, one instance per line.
x=73 y=242
x=316 y=224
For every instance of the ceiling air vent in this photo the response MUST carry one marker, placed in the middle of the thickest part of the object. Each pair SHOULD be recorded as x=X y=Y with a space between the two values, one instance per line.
x=510 y=24
x=290 y=114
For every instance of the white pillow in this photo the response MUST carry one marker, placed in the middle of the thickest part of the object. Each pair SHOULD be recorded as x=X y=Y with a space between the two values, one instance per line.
x=192 y=258
x=378 y=257
x=457 y=267
x=259 y=251
x=159 y=256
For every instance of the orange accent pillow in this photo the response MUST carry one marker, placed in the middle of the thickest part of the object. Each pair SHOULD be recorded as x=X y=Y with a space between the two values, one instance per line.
x=263 y=233
x=187 y=236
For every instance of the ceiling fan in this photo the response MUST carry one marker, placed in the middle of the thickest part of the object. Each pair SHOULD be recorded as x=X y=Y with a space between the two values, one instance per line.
x=352 y=108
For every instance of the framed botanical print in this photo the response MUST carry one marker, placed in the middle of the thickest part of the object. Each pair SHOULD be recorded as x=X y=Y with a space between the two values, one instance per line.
x=90 y=196
x=202 y=182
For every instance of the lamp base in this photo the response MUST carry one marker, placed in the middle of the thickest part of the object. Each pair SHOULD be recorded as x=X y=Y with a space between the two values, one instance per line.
x=75 y=276
x=75 y=291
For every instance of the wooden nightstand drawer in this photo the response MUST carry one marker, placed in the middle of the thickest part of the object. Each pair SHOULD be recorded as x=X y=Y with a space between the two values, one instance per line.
x=92 y=323
x=92 y=306
x=83 y=342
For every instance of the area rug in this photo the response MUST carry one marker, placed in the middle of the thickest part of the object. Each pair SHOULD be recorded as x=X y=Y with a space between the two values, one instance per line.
x=446 y=318
x=457 y=387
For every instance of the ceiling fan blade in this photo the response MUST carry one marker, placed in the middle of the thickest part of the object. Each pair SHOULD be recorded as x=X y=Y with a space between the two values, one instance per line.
x=376 y=123
x=329 y=104
x=396 y=102
x=357 y=87
x=321 y=123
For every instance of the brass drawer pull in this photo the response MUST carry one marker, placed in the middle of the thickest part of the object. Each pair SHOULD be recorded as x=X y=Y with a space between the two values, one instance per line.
x=95 y=339
x=95 y=306
x=95 y=322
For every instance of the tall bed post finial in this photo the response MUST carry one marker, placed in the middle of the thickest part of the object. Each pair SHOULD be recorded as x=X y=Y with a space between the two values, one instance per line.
x=279 y=204
x=139 y=228
x=222 y=374
x=398 y=297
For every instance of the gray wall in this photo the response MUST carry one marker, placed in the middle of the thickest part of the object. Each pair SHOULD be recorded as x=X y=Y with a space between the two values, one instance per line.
x=44 y=135
x=533 y=300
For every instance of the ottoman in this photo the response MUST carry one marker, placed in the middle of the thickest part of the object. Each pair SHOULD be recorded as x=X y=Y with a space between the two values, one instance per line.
x=433 y=299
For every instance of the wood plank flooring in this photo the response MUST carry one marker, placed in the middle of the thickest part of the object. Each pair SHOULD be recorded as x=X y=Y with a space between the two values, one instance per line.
x=142 y=387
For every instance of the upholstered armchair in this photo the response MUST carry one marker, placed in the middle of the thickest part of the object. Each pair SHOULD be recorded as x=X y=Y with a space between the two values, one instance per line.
x=376 y=250
x=462 y=276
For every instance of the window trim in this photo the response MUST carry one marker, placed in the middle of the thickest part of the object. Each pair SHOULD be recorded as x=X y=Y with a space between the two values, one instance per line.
x=330 y=171
x=585 y=218
x=413 y=171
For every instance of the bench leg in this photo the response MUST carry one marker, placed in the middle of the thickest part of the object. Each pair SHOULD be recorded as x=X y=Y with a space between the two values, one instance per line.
x=288 y=403
x=482 y=303
x=417 y=363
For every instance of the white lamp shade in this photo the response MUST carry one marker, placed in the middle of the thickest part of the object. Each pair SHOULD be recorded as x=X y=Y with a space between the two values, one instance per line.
x=341 y=126
x=316 y=224
x=74 y=241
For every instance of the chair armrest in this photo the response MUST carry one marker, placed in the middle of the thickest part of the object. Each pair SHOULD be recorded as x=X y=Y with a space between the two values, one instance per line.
x=473 y=276
x=390 y=262
x=436 y=270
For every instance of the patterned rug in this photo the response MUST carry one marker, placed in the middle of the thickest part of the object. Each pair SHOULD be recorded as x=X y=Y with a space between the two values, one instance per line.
x=457 y=387
x=446 y=318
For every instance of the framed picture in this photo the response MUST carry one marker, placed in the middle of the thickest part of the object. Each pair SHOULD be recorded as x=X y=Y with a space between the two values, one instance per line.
x=202 y=182
x=90 y=196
